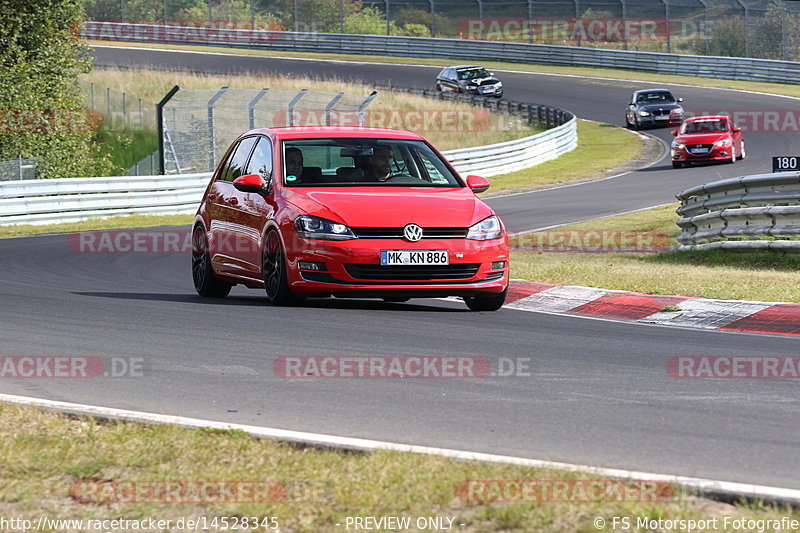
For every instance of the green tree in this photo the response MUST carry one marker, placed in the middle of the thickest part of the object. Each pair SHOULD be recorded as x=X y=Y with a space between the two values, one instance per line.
x=41 y=107
x=318 y=15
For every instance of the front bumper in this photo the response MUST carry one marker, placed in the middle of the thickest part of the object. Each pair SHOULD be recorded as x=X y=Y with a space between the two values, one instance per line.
x=659 y=122
x=352 y=268
x=718 y=153
x=486 y=90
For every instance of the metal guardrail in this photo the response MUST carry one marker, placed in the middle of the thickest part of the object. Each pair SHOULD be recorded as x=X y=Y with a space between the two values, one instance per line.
x=734 y=68
x=759 y=212
x=73 y=199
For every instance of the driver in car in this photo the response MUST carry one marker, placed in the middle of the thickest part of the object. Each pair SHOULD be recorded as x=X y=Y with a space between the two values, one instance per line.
x=375 y=167
x=380 y=163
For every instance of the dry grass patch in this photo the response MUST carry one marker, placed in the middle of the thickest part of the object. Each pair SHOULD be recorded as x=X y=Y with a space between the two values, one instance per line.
x=473 y=126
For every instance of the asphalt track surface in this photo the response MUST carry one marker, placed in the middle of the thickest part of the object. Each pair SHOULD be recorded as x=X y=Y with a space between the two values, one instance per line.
x=598 y=392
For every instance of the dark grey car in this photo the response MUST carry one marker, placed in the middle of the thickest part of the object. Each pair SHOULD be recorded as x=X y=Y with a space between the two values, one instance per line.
x=469 y=79
x=653 y=107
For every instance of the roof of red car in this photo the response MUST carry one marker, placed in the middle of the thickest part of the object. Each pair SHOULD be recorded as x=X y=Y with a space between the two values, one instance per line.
x=707 y=117
x=327 y=132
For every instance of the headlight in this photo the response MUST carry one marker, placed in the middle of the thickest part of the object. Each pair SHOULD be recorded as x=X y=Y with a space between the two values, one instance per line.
x=499 y=84
x=677 y=146
x=723 y=142
x=472 y=86
x=644 y=113
x=488 y=228
x=677 y=111
x=320 y=228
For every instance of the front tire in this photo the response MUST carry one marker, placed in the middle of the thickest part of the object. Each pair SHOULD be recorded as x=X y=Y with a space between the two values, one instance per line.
x=486 y=302
x=743 y=154
x=395 y=300
x=274 y=271
x=205 y=283
x=733 y=158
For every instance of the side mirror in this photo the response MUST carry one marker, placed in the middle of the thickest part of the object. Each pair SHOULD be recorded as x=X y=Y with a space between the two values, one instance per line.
x=736 y=129
x=680 y=99
x=477 y=184
x=250 y=183
x=674 y=132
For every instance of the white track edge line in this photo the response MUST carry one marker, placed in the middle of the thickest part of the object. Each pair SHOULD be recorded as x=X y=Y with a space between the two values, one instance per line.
x=700 y=484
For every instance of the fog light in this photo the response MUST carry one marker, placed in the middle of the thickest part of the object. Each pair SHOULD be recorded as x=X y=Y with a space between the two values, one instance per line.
x=496 y=265
x=310 y=265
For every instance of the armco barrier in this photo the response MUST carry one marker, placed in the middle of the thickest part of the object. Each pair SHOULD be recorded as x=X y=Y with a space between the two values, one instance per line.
x=734 y=68
x=68 y=200
x=760 y=212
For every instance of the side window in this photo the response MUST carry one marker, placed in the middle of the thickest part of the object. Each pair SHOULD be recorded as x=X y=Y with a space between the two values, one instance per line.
x=434 y=169
x=238 y=160
x=261 y=160
x=449 y=74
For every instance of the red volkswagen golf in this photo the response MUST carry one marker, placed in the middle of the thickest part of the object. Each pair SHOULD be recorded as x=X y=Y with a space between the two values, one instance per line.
x=707 y=138
x=348 y=212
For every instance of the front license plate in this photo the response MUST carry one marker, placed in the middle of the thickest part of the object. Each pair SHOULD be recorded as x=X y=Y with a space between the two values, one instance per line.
x=414 y=257
x=699 y=150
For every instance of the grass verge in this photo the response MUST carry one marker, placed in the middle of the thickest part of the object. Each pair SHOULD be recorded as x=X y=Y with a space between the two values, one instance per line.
x=710 y=274
x=133 y=221
x=619 y=74
x=55 y=463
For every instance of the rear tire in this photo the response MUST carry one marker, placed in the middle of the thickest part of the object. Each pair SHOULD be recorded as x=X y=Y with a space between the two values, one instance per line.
x=486 y=302
x=205 y=283
x=273 y=270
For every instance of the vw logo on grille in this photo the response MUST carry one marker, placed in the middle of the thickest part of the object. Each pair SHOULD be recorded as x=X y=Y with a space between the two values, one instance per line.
x=412 y=232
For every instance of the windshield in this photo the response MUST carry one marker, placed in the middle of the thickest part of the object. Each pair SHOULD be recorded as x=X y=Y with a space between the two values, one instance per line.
x=717 y=125
x=350 y=162
x=471 y=73
x=655 y=97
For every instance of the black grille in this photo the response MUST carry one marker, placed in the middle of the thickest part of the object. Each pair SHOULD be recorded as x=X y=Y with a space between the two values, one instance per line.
x=661 y=112
x=397 y=233
x=488 y=82
x=412 y=273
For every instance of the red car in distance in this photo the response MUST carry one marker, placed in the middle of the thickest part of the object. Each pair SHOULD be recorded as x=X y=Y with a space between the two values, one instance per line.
x=348 y=212
x=707 y=138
